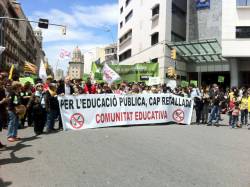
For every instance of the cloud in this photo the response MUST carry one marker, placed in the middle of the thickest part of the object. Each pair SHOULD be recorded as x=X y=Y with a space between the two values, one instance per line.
x=97 y=16
x=54 y=34
x=86 y=27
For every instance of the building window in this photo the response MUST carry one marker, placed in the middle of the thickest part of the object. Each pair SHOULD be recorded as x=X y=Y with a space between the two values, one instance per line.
x=155 y=10
x=155 y=38
x=125 y=55
x=126 y=36
x=176 y=37
x=121 y=10
x=121 y=24
x=155 y=60
x=243 y=2
x=127 y=2
x=242 y=32
x=129 y=16
x=178 y=12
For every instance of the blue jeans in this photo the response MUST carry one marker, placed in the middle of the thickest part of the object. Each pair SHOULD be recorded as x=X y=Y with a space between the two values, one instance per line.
x=51 y=116
x=13 y=123
x=244 y=117
x=235 y=120
x=214 y=115
x=230 y=118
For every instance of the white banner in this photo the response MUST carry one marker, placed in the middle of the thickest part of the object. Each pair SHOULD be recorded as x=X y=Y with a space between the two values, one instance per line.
x=106 y=110
x=154 y=81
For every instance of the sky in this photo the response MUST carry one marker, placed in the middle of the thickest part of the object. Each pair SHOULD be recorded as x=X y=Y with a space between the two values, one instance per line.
x=87 y=21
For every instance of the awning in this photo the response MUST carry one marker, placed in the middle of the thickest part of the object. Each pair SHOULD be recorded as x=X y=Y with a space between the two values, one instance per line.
x=202 y=51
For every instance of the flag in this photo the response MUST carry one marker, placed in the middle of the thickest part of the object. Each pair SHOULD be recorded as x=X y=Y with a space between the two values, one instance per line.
x=42 y=71
x=11 y=71
x=64 y=54
x=1 y=49
x=109 y=75
x=30 y=68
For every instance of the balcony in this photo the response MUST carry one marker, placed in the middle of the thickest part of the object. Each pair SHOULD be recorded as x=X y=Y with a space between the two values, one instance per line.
x=125 y=43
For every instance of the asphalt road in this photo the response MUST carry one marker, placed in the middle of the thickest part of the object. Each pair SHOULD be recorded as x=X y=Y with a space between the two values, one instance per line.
x=150 y=156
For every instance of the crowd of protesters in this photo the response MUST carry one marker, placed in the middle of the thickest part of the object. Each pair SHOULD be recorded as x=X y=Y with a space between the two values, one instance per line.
x=38 y=105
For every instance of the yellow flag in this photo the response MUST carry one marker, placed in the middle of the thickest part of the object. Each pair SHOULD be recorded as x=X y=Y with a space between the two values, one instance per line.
x=11 y=71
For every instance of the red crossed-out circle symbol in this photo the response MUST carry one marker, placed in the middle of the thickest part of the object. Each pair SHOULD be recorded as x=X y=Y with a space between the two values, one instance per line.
x=178 y=115
x=77 y=120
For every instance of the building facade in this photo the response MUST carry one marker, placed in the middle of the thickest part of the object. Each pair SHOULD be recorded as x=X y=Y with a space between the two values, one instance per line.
x=111 y=54
x=96 y=54
x=18 y=38
x=211 y=38
x=76 y=65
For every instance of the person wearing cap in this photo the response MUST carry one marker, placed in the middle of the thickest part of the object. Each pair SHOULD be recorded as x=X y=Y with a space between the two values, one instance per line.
x=13 y=111
x=37 y=105
x=51 y=106
x=48 y=81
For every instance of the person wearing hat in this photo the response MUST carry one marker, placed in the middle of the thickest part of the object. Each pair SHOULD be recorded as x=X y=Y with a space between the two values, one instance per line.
x=14 y=110
x=37 y=105
x=48 y=81
x=51 y=106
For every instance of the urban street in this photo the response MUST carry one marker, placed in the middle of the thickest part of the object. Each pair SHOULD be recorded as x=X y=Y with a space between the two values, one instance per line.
x=125 y=93
x=156 y=155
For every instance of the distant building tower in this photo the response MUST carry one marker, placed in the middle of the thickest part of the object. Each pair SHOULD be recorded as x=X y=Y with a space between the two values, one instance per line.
x=76 y=66
x=59 y=74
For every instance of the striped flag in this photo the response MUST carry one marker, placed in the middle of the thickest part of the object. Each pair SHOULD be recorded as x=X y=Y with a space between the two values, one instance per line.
x=30 y=68
x=64 y=54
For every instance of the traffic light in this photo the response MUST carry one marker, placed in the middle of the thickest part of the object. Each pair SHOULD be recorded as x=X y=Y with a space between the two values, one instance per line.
x=43 y=23
x=171 y=72
x=173 y=54
x=64 y=30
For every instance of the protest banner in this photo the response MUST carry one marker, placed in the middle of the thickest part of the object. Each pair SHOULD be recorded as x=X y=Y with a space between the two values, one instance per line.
x=23 y=80
x=129 y=73
x=221 y=79
x=153 y=81
x=99 y=110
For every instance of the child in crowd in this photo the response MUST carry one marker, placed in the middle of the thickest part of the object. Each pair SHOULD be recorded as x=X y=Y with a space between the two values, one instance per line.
x=235 y=115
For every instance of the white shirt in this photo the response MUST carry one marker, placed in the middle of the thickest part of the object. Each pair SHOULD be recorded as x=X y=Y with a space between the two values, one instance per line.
x=67 y=89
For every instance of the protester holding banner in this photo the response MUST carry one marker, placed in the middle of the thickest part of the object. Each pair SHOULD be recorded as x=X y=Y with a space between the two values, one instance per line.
x=196 y=96
x=37 y=105
x=89 y=88
x=64 y=88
